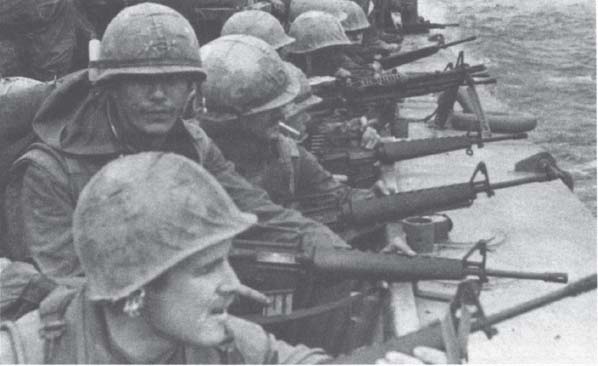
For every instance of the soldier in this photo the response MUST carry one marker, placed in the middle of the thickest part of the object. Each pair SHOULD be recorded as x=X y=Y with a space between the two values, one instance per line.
x=153 y=232
x=319 y=44
x=251 y=140
x=130 y=100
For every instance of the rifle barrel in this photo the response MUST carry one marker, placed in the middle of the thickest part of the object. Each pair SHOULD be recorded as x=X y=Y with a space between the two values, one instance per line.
x=557 y=277
x=431 y=336
x=580 y=286
x=516 y=136
x=454 y=43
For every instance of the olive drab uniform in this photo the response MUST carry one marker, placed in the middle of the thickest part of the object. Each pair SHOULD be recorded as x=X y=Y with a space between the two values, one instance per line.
x=48 y=179
x=325 y=314
x=69 y=329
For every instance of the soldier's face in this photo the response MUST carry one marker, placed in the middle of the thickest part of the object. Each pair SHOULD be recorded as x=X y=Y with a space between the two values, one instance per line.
x=355 y=37
x=152 y=104
x=264 y=125
x=188 y=304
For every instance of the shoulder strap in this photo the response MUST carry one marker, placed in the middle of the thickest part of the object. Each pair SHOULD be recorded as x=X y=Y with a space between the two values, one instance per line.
x=17 y=349
x=47 y=157
x=52 y=315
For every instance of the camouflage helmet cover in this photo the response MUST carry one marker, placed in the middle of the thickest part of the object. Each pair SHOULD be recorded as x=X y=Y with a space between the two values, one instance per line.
x=314 y=30
x=247 y=76
x=259 y=24
x=350 y=14
x=142 y=214
x=147 y=39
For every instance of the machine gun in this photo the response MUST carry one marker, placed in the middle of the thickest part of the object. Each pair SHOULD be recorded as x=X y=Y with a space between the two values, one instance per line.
x=359 y=164
x=400 y=58
x=394 y=86
x=432 y=335
x=343 y=213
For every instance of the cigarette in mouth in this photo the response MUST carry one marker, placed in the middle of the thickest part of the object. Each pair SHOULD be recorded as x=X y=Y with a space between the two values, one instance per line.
x=293 y=132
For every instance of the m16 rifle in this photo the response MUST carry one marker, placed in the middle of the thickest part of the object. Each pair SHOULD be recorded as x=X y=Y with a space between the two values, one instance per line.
x=467 y=294
x=255 y=261
x=359 y=164
x=347 y=212
x=425 y=26
x=400 y=58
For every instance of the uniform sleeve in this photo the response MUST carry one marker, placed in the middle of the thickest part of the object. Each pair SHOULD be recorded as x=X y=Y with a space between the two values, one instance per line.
x=313 y=178
x=256 y=346
x=275 y=223
x=45 y=218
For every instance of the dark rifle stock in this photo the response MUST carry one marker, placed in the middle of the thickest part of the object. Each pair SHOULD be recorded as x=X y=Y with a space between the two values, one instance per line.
x=431 y=335
x=401 y=58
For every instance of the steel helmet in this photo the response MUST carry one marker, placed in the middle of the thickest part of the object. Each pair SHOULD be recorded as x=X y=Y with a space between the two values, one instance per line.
x=314 y=30
x=259 y=24
x=142 y=214
x=350 y=14
x=147 y=39
x=299 y=7
x=247 y=76
x=305 y=99
x=356 y=18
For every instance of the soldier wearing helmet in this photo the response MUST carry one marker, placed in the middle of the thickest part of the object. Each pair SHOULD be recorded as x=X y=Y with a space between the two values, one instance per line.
x=153 y=232
x=130 y=100
x=250 y=138
x=320 y=40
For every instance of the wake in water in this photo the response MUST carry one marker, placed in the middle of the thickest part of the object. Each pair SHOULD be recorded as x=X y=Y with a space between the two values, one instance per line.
x=543 y=54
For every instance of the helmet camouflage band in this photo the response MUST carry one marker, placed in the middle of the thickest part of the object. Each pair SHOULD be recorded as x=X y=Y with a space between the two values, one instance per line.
x=147 y=39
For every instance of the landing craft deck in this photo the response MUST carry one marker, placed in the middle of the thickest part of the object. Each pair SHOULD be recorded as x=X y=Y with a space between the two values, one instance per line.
x=536 y=227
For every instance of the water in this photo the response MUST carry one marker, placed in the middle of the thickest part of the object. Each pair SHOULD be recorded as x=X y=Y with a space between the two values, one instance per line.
x=543 y=54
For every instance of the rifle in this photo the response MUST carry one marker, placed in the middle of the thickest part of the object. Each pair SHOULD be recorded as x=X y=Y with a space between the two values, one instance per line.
x=401 y=58
x=358 y=164
x=350 y=212
x=255 y=261
x=432 y=335
x=424 y=27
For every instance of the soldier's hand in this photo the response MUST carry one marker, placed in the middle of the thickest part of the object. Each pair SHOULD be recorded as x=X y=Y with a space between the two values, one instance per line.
x=398 y=245
x=387 y=184
x=370 y=138
x=422 y=355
